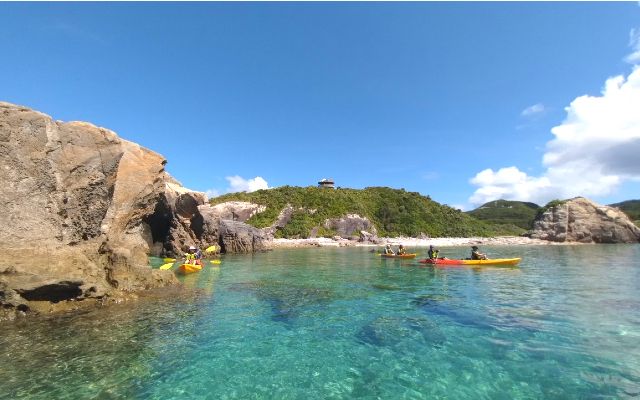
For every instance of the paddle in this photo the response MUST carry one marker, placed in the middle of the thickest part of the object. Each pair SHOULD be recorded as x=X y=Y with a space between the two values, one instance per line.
x=171 y=260
x=215 y=261
x=167 y=266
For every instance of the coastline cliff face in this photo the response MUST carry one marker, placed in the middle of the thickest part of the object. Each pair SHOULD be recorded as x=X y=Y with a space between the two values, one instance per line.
x=583 y=221
x=80 y=210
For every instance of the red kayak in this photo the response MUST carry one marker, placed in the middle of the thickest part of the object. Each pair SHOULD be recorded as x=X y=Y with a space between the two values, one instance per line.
x=495 y=261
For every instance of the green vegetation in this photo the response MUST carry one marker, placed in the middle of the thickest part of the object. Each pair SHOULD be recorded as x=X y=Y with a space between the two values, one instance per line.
x=394 y=212
x=549 y=205
x=631 y=208
x=516 y=213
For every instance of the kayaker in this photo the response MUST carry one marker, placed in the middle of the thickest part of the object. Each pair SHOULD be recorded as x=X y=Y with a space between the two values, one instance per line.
x=190 y=256
x=433 y=253
x=476 y=255
x=401 y=250
x=388 y=251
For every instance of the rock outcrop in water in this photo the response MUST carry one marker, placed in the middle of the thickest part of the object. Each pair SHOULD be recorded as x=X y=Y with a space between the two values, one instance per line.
x=581 y=220
x=82 y=208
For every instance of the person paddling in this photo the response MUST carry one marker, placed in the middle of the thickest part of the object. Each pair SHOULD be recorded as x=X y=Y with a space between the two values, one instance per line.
x=401 y=250
x=476 y=255
x=190 y=256
x=433 y=253
x=388 y=251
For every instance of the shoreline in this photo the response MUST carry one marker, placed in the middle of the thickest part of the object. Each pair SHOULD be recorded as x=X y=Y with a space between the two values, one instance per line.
x=414 y=242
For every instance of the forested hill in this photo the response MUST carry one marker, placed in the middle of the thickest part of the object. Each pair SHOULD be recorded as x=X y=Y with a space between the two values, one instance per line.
x=631 y=208
x=394 y=212
x=516 y=213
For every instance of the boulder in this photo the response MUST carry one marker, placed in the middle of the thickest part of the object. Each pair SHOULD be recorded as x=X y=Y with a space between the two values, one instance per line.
x=350 y=223
x=581 y=220
x=236 y=210
x=236 y=237
x=367 y=237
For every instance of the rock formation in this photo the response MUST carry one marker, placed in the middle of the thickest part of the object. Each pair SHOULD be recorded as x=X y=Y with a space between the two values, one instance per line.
x=236 y=237
x=349 y=225
x=82 y=208
x=236 y=210
x=581 y=220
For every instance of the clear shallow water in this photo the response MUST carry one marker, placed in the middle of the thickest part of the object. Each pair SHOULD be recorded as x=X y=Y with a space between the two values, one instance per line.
x=341 y=323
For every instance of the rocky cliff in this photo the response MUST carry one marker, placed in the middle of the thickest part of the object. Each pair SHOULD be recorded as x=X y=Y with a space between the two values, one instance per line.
x=581 y=220
x=81 y=209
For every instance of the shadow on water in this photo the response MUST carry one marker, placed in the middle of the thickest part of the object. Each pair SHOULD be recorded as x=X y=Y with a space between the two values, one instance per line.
x=392 y=331
x=286 y=301
x=437 y=306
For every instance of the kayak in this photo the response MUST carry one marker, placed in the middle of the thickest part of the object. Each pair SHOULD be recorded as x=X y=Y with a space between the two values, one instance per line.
x=409 y=255
x=495 y=261
x=189 y=268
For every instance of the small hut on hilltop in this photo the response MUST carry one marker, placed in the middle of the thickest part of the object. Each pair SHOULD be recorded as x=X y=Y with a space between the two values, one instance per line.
x=327 y=183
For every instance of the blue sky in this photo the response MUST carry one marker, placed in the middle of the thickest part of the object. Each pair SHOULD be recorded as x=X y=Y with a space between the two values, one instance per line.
x=453 y=100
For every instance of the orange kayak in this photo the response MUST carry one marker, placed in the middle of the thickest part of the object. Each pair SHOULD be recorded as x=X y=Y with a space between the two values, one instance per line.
x=409 y=255
x=189 y=268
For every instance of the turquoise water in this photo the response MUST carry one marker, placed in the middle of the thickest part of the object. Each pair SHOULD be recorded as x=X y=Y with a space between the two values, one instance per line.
x=341 y=323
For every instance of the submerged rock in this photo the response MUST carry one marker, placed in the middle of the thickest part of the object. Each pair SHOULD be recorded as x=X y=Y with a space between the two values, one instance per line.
x=393 y=331
x=581 y=220
x=286 y=301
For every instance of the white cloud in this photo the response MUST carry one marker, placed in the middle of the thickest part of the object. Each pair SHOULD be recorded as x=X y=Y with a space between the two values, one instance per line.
x=634 y=43
x=594 y=150
x=239 y=184
x=533 y=110
x=211 y=193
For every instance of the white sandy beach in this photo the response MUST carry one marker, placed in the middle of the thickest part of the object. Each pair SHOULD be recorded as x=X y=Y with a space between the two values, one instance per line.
x=412 y=242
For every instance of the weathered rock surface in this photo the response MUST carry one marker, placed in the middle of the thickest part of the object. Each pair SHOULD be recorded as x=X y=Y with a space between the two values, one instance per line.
x=284 y=217
x=236 y=210
x=581 y=220
x=81 y=209
x=367 y=237
x=236 y=237
x=346 y=226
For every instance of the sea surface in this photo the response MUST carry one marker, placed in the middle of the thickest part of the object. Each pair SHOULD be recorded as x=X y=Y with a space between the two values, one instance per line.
x=341 y=323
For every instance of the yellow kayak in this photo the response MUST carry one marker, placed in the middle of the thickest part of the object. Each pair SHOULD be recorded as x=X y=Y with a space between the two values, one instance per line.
x=189 y=268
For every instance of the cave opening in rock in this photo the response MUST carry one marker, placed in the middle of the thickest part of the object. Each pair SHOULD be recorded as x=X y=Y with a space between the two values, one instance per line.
x=160 y=221
x=54 y=292
x=197 y=225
